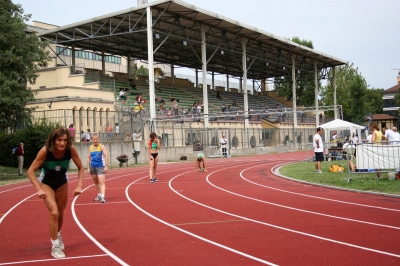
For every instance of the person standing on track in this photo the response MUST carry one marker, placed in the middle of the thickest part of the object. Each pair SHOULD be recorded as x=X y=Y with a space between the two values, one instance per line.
x=201 y=158
x=318 y=149
x=52 y=184
x=97 y=165
x=153 y=148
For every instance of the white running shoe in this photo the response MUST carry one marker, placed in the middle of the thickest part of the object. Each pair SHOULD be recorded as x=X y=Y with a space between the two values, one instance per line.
x=56 y=252
x=98 y=198
x=103 y=200
x=61 y=243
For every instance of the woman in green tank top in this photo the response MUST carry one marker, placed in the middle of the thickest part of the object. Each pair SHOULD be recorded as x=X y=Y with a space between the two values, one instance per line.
x=52 y=185
x=153 y=147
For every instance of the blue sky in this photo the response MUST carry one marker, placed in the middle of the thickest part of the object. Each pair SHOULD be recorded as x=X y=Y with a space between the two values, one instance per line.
x=363 y=32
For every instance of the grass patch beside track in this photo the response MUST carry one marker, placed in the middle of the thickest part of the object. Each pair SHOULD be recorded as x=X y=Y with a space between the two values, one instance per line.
x=359 y=181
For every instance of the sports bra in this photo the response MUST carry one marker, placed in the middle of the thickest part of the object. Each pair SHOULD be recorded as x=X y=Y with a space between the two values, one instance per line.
x=154 y=145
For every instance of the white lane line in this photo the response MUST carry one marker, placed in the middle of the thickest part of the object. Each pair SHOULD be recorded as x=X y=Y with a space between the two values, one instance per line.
x=293 y=208
x=283 y=228
x=46 y=260
x=328 y=199
x=189 y=233
x=11 y=189
x=15 y=206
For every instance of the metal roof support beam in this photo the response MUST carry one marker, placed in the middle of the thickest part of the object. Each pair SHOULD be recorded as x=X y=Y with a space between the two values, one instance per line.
x=316 y=93
x=204 y=69
x=150 y=60
x=73 y=58
x=246 y=104
x=103 y=63
x=334 y=91
x=294 y=93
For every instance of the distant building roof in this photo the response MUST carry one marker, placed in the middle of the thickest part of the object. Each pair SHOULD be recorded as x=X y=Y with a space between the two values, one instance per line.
x=393 y=89
x=383 y=117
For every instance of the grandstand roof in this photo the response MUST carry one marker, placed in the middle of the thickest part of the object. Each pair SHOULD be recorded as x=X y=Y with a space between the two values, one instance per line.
x=125 y=33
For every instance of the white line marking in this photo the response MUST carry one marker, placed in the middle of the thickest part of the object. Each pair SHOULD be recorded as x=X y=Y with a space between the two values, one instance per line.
x=316 y=197
x=15 y=206
x=280 y=227
x=100 y=204
x=191 y=234
x=67 y=258
x=293 y=208
x=15 y=188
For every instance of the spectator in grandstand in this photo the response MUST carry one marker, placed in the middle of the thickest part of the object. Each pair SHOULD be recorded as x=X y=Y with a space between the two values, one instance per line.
x=132 y=84
x=139 y=99
x=199 y=109
x=161 y=110
x=52 y=184
x=109 y=129
x=223 y=142
x=136 y=136
x=128 y=137
x=235 y=104
x=223 y=108
x=390 y=135
x=158 y=87
x=175 y=106
x=228 y=109
x=97 y=166
x=116 y=131
x=85 y=136
x=71 y=130
x=122 y=95
x=153 y=147
x=172 y=99
x=318 y=149
x=218 y=96
x=169 y=113
x=159 y=100
x=201 y=158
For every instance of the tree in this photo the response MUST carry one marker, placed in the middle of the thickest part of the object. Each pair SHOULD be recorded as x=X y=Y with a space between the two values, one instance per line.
x=352 y=93
x=141 y=71
x=304 y=82
x=22 y=54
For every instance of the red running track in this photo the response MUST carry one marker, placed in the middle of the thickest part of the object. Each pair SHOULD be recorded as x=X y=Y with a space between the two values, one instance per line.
x=239 y=213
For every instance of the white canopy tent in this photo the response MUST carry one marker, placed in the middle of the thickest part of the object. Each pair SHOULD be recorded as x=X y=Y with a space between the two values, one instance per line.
x=339 y=124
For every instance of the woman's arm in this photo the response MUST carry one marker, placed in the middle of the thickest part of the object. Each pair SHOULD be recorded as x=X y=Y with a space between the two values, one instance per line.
x=81 y=171
x=158 y=144
x=373 y=136
x=88 y=162
x=40 y=157
x=104 y=150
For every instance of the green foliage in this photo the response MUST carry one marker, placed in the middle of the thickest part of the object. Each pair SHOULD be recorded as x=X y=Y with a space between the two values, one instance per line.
x=21 y=55
x=360 y=181
x=141 y=71
x=33 y=137
x=304 y=82
x=352 y=93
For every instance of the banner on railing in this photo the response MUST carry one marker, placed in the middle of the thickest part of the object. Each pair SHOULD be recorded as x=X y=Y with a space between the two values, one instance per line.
x=378 y=156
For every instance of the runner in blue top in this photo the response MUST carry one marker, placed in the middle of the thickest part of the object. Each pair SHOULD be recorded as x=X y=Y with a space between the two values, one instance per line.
x=52 y=184
x=201 y=158
x=97 y=165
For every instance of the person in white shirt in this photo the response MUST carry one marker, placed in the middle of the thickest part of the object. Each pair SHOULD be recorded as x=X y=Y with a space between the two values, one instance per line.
x=354 y=138
x=318 y=149
x=395 y=131
x=224 y=143
x=116 y=131
x=369 y=137
x=390 y=135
